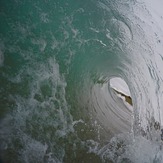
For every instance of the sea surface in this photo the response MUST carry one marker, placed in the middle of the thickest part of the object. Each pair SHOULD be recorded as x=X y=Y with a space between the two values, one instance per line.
x=57 y=61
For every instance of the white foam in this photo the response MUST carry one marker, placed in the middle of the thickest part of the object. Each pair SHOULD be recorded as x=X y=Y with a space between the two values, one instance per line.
x=156 y=10
x=137 y=150
x=27 y=108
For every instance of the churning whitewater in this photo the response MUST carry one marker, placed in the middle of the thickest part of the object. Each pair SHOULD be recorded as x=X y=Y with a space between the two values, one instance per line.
x=81 y=81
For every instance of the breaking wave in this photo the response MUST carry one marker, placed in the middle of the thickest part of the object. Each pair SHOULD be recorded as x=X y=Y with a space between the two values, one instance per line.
x=81 y=81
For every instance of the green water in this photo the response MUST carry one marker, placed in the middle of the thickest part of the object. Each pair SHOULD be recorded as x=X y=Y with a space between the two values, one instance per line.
x=50 y=50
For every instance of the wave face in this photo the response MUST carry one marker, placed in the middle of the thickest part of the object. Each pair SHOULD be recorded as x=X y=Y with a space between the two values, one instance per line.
x=56 y=62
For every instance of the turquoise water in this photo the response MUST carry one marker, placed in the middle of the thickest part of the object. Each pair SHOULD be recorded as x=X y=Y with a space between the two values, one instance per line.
x=56 y=60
